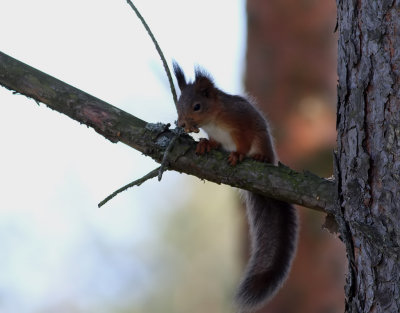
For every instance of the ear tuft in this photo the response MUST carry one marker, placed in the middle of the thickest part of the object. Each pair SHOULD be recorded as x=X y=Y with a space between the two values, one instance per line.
x=180 y=76
x=204 y=83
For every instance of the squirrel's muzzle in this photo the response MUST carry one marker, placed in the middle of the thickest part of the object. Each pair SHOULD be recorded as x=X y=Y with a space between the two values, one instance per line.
x=188 y=126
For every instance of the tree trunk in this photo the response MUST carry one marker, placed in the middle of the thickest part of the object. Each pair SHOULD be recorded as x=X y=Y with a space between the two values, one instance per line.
x=368 y=156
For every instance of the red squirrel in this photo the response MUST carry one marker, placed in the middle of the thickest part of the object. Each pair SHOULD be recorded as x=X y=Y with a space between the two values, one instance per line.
x=237 y=126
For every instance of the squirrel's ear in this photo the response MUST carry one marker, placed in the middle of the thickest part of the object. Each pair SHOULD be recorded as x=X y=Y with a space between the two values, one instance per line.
x=204 y=83
x=180 y=76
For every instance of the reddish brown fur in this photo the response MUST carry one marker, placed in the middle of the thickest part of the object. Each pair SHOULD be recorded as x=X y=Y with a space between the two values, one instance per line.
x=235 y=124
x=248 y=129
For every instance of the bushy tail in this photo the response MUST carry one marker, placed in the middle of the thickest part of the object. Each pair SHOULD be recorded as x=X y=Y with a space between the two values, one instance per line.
x=273 y=230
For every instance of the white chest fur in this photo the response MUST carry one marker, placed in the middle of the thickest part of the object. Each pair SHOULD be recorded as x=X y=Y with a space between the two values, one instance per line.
x=221 y=135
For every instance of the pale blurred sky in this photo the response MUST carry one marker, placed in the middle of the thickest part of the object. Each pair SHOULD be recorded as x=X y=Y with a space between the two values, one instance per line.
x=54 y=171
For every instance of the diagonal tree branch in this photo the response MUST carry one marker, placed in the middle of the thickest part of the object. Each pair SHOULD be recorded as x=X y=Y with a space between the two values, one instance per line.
x=153 y=139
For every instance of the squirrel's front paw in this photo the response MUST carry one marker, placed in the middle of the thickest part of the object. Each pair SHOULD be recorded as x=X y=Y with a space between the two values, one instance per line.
x=234 y=157
x=205 y=145
x=260 y=157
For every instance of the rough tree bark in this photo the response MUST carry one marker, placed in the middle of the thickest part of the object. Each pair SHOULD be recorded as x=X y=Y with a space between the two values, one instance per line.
x=368 y=157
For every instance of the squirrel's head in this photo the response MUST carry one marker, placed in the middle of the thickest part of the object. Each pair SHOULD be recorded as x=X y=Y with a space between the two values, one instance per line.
x=198 y=101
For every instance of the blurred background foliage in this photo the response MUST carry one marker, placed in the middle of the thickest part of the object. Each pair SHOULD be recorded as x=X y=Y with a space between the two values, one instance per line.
x=291 y=70
x=179 y=245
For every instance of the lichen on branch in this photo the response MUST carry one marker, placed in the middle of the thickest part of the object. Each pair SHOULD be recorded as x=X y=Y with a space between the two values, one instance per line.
x=153 y=139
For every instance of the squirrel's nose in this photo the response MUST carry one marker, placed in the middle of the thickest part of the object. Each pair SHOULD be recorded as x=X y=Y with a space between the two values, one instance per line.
x=181 y=124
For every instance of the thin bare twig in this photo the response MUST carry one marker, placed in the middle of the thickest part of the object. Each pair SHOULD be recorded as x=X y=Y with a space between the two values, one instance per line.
x=166 y=68
x=137 y=182
x=160 y=170
x=118 y=126
x=178 y=131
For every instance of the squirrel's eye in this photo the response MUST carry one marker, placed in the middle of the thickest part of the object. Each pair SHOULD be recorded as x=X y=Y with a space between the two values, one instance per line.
x=196 y=107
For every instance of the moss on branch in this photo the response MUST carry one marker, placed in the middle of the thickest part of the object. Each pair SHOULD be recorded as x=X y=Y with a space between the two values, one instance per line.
x=153 y=139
